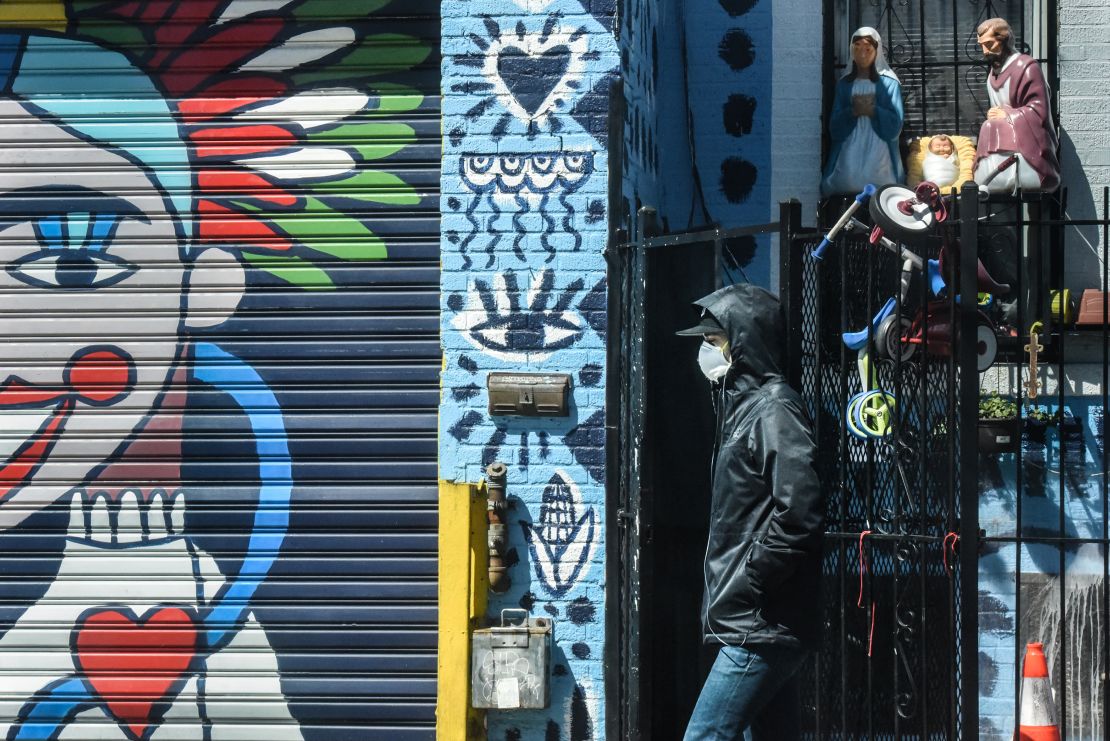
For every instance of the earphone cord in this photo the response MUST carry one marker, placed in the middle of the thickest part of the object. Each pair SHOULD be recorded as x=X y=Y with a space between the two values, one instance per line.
x=709 y=621
x=705 y=559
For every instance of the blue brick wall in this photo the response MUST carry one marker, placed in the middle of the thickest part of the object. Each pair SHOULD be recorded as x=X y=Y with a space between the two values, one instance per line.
x=524 y=204
x=715 y=164
x=729 y=60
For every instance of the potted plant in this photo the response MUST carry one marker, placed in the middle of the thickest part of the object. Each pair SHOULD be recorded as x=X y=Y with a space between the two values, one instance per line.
x=1037 y=422
x=999 y=424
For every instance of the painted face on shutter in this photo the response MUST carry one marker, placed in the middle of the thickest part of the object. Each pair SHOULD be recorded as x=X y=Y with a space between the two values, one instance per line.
x=92 y=316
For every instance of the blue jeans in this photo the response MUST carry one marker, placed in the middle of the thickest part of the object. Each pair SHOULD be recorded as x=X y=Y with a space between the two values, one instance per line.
x=752 y=688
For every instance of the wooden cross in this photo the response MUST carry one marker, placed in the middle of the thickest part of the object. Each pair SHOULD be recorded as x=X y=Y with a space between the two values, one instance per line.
x=1033 y=386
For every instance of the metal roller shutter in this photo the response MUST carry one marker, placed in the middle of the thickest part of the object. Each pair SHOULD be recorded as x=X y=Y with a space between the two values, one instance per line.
x=219 y=330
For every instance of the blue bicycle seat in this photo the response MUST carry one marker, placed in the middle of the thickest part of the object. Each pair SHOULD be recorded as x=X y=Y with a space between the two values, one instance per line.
x=856 y=340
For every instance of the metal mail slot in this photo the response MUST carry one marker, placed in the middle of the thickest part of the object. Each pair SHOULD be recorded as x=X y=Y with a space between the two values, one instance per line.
x=529 y=394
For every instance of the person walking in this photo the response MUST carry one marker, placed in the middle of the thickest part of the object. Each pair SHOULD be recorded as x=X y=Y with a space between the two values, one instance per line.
x=762 y=561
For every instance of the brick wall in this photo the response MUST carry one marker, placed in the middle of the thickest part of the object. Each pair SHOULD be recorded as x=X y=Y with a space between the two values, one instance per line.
x=1084 y=57
x=796 y=124
x=525 y=220
x=724 y=126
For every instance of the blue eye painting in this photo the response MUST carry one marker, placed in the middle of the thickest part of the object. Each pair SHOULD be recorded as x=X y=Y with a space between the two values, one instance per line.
x=73 y=269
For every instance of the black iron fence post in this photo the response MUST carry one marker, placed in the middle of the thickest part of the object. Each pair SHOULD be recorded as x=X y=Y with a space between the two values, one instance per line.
x=968 y=464
x=790 y=287
x=640 y=505
x=616 y=258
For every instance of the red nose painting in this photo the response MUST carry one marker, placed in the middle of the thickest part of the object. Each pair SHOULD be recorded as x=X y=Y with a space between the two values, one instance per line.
x=135 y=665
x=94 y=376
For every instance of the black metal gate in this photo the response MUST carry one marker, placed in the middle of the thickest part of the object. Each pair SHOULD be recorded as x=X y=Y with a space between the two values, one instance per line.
x=661 y=424
x=894 y=662
x=900 y=561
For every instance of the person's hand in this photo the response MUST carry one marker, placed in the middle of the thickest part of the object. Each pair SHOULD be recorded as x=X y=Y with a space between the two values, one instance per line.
x=863 y=105
x=996 y=114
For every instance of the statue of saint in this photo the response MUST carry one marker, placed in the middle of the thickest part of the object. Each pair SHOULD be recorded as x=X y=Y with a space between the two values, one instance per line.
x=865 y=122
x=1019 y=121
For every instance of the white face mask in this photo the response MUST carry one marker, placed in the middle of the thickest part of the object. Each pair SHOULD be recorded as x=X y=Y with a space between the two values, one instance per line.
x=712 y=361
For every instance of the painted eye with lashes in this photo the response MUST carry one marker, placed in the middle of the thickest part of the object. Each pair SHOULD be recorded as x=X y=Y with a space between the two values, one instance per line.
x=74 y=243
x=73 y=269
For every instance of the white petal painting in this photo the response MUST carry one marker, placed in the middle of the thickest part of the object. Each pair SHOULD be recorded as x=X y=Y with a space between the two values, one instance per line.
x=313 y=109
x=304 y=164
x=302 y=49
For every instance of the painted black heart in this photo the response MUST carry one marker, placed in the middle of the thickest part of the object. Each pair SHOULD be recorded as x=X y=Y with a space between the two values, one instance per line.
x=530 y=79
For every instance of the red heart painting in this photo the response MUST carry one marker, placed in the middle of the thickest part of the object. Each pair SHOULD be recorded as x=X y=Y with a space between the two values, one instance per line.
x=135 y=665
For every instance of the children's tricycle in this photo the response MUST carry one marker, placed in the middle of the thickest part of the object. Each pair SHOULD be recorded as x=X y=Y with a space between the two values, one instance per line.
x=909 y=216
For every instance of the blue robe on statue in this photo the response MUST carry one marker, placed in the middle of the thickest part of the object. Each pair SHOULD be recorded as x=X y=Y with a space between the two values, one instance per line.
x=865 y=161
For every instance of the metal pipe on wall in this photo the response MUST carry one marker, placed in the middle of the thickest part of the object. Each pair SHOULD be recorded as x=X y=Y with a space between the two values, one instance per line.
x=498 y=536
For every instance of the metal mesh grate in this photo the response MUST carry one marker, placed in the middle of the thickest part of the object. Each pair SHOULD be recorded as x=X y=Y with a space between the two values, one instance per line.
x=900 y=489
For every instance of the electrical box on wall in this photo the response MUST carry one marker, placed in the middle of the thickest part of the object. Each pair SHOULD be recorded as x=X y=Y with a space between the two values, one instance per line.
x=511 y=663
x=529 y=394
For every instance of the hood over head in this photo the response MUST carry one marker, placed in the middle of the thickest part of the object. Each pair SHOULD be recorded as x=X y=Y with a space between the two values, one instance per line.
x=882 y=66
x=752 y=318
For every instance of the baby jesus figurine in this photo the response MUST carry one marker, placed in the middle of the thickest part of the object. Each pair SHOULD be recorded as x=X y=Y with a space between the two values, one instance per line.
x=942 y=163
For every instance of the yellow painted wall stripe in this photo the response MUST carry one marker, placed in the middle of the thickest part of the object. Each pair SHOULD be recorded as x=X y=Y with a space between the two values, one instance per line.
x=463 y=593
x=49 y=15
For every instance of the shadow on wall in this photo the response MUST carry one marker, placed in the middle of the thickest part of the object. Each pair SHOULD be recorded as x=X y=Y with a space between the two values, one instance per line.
x=1081 y=242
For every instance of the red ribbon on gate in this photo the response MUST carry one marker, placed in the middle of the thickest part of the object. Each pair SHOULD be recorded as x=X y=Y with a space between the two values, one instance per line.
x=950 y=542
x=859 y=601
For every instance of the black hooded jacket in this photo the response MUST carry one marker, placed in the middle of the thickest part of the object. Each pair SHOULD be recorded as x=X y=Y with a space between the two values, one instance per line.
x=767 y=516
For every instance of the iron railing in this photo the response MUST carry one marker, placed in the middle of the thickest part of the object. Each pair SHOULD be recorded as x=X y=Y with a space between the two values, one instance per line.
x=1031 y=520
x=661 y=438
x=1044 y=506
x=895 y=660
x=967 y=555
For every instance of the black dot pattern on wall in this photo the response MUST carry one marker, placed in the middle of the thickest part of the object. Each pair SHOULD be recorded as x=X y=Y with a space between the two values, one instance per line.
x=738 y=177
x=738 y=7
x=738 y=112
x=737 y=49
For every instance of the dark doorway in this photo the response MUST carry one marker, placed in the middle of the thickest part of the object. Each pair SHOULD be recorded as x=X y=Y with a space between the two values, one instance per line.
x=659 y=489
x=678 y=444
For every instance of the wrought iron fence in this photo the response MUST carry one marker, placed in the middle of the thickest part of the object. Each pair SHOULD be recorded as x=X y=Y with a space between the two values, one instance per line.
x=1030 y=516
x=1044 y=505
x=895 y=583
x=661 y=437
x=944 y=555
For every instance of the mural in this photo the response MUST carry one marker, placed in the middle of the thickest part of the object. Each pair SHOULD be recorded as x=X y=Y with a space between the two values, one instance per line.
x=698 y=133
x=562 y=540
x=528 y=181
x=523 y=288
x=162 y=159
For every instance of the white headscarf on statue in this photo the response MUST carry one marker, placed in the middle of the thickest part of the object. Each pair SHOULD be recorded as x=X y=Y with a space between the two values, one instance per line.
x=881 y=65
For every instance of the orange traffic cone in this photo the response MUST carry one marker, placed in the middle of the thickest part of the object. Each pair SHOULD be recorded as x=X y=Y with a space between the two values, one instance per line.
x=1038 y=711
